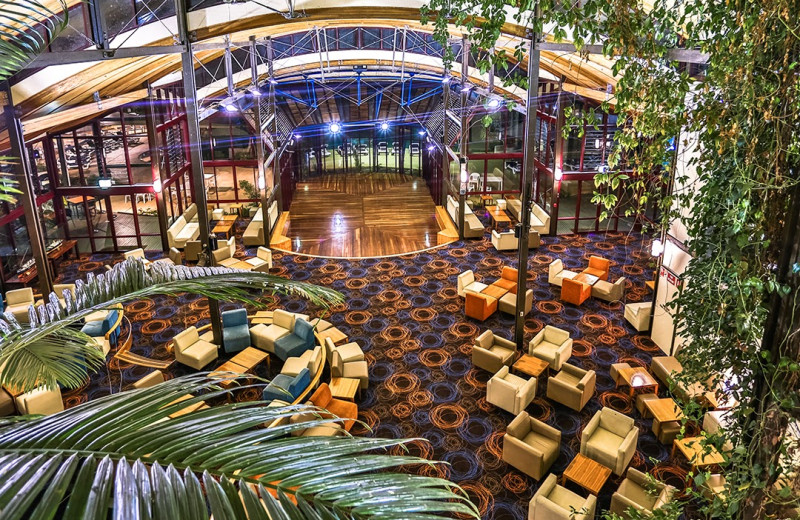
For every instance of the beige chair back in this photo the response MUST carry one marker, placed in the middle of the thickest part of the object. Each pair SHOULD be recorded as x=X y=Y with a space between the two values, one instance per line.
x=186 y=339
x=134 y=253
x=19 y=296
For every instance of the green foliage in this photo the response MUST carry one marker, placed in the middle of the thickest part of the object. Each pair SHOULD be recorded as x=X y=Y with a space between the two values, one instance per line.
x=25 y=28
x=250 y=190
x=123 y=453
x=51 y=350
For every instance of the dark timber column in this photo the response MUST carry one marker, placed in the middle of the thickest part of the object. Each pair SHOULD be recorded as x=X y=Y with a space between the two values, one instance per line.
x=558 y=162
x=195 y=153
x=528 y=176
x=273 y=136
x=155 y=166
x=261 y=182
x=445 y=154
x=462 y=193
x=24 y=176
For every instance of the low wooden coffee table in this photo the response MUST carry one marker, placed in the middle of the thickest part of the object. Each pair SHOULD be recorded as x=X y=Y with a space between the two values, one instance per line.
x=587 y=473
x=589 y=279
x=495 y=291
x=637 y=378
x=336 y=335
x=697 y=455
x=530 y=365
x=498 y=216
x=243 y=362
x=242 y=265
x=344 y=388
x=224 y=227
x=664 y=411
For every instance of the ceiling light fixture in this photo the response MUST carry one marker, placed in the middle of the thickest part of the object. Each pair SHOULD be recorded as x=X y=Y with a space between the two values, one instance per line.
x=335 y=128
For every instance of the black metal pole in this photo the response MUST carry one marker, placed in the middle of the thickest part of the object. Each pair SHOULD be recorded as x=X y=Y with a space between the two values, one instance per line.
x=528 y=178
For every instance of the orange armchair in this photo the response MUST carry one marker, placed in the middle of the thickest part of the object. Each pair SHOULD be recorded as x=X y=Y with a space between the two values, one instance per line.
x=479 y=306
x=598 y=267
x=575 y=292
x=508 y=280
x=322 y=398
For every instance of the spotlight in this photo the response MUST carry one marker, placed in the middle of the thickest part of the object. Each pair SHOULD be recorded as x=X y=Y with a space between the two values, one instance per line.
x=431 y=147
x=104 y=182
x=297 y=136
x=335 y=128
x=559 y=173
x=229 y=105
x=422 y=133
x=273 y=81
x=446 y=79
x=493 y=103
x=262 y=183
x=231 y=108
x=157 y=186
x=384 y=126
x=656 y=248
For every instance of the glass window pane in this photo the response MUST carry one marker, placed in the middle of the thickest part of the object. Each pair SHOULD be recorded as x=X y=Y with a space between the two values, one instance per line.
x=150 y=10
x=73 y=37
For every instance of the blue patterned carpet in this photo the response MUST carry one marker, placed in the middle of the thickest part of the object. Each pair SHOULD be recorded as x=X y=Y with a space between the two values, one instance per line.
x=406 y=314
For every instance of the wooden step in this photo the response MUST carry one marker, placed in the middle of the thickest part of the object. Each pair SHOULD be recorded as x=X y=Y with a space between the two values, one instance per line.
x=278 y=239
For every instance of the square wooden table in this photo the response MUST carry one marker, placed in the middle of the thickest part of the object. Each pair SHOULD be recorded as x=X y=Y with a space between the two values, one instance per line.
x=587 y=473
x=264 y=317
x=336 y=335
x=637 y=378
x=344 y=388
x=695 y=453
x=244 y=266
x=242 y=362
x=664 y=411
x=224 y=227
x=498 y=216
x=485 y=199
x=530 y=365
x=494 y=291
x=589 y=279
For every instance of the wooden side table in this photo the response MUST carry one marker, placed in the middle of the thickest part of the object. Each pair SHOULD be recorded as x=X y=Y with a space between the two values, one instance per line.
x=495 y=291
x=530 y=365
x=699 y=456
x=637 y=378
x=587 y=473
x=344 y=388
x=336 y=335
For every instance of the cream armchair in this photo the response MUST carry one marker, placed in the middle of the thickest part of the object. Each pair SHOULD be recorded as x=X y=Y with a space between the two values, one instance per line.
x=492 y=352
x=264 y=336
x=506 y=241
x=173 y=257
x=530 y=445
x=192 y=351
x=348 y=352
x=553 y=345
x=540 y=220
x=610 y=292
x=572 y=386
x=467 y=283
x=223 y=256
x=554 y=502
x=638 y=315
x=262 y=262
x=508 y=303
x=18 y=302
x=509 y=392
x=351 y=370
x=40 y=401
x=556 y=273
x=610 y=438
x=641 y=494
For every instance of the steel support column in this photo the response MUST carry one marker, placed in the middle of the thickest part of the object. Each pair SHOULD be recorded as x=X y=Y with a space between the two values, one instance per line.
x=528 y=179
x=273 y=137
x=155 y=165
x=195 y=154
x=445 y=155
x=558 y=161
x=24 y=176
x=462 y=195
x=260 y=149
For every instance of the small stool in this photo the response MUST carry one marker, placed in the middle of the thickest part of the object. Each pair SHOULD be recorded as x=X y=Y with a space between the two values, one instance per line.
x=641 y=404
x=615 y=369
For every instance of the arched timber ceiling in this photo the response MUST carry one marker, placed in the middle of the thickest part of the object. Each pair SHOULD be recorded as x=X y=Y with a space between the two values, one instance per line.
x=62 y=87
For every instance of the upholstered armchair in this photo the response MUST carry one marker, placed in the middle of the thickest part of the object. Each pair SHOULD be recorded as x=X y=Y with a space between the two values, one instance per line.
x=351 y=370
x=507 y=280
x=152 y=379
x=638 y=315
x=575 y=292
x=59 y=289
x=348 y=352
x=610 y=439
x=467 y=283
x=639 y=493
x=294 y=344
x=598 y=267
x=173 y=257
x=310 y=359
x=553 y=345
x=491 y=352
x=223 y=256
x=235 y=333
x=18 y=302
x=287 y=388
x=540 y=220
x=190 y=350
x=510 y=392
x=479 y=306
x=104 y=332
x=262 y=262
x=556 y=273
x=264 y=336
x=610 y=292
x=323 y=399
x=135 y=253
x=506 y=241
x=40 y=401
x=530 y=445
x=554 y=502
x=572 y=386
x=508 y=303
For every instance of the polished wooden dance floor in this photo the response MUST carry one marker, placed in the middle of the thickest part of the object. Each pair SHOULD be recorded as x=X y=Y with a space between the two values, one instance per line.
x=362 y=215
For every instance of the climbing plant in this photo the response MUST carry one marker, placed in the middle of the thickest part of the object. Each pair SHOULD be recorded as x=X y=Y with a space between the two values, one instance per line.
x=737 y=310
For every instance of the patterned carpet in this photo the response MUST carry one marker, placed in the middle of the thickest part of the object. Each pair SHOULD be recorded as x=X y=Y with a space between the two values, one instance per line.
x=406 y=314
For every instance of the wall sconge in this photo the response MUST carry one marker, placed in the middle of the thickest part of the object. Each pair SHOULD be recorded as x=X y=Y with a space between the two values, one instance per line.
x=464 y=175
x=104 y=182
x=157 y=186
x=262 y=183
x=656 y=248
x=558 y=174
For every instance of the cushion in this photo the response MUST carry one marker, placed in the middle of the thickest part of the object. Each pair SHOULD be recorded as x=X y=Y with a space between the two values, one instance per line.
x=304 y=329
x=94 y=329
x=283 y=319
x=350 y=352
x=603 y=442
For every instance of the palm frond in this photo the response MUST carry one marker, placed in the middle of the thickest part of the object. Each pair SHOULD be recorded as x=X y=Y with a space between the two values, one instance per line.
x=124 y=452
x=20 y=40
x=7 y=183
x=48 y=351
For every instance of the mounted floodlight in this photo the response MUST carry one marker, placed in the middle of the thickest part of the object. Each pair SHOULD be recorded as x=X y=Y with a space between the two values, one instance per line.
x=297 y=136
x=384 y=126
x=262 y=183
x=466 y=87
x=559 y=173
x=157 y=186
x=273 y=81
x=493 y=103
x=431 y=148
x=229 y=105
x=335 y=128
x=104 y=182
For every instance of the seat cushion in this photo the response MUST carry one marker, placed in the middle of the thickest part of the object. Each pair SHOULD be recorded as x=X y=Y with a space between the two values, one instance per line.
x=504 y=353
x=202 y=351
x=289 y=345
x=350 y=352
x=541 y=443
x=602 y=446
x=293 y=366
x=264 y=336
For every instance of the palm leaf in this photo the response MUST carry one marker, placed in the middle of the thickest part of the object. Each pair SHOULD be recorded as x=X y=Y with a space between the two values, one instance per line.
x=20 y=41
x=7 y=183
x=50 y=350
x=123 y=452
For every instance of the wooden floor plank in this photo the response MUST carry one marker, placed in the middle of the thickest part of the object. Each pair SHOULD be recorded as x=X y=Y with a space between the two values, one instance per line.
x=362 y=215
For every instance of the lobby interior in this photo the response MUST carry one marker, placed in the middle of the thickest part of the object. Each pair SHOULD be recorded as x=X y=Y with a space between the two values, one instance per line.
x=477 y=297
